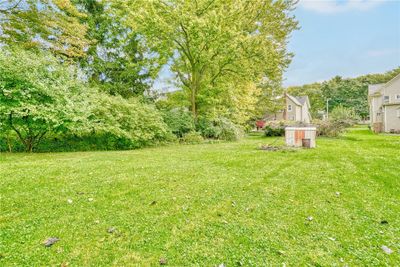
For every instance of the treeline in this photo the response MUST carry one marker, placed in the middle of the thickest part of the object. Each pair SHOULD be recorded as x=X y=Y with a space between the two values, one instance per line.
x=77 y=74
x=350 y=93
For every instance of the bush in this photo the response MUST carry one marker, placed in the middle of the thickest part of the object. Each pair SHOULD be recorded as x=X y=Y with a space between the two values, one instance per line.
x=137 y=123
x=179 y=122
x=277 y=128
x=219 y=128
x=344 y=116
x=329 y=128
x=192 y=138
x=274 y=129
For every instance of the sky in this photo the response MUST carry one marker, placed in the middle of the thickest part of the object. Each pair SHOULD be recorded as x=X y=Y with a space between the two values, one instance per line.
x=343 y=37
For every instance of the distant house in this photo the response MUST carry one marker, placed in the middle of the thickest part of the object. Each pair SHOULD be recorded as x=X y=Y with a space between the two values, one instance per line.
x=297 y=108
x=384 y=106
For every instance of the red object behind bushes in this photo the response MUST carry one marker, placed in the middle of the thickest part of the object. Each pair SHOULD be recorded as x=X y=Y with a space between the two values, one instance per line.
x=260 y=124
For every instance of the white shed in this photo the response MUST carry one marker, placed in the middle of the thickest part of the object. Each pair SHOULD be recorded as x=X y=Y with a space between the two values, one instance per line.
x=301 y=136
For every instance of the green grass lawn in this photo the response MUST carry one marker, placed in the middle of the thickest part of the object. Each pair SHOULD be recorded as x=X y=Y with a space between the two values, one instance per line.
x=205 y=205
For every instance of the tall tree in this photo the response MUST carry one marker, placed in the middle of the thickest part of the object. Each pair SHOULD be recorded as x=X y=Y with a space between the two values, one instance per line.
x=116 y=60
x=211 y=42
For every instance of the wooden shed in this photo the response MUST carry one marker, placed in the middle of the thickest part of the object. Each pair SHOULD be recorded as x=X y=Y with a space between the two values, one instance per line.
x=301 y=136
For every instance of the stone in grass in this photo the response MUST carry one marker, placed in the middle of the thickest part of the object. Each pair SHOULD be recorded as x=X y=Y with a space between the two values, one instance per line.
x=163 y=261
x=50 y=241
x=386 y=250
x=337 y=194
x=69 y=201
x=90 y=199
x=111 y=230
x=310 y=218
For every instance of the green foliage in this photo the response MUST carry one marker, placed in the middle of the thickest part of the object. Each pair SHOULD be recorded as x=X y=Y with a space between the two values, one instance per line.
x=348 y=93
x=45 y=24
x=38 y=95
x=180 y=122
x=340 y=119
x=219 y=128
x=277 y=128
x=274 y=129
x=213 y=44
x=330 y=128
x=192 y=138
x=345 y=115
x=115 y=59
x=130 y=119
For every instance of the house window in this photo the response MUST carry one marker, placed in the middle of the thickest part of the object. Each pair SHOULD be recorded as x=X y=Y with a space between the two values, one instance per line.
x=398 y=97
x=398 y=113
x=386 y=99
x=289 y=108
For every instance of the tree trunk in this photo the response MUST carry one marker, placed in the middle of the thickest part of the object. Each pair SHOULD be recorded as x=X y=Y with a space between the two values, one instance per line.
x=194 y=89
x=193 y=104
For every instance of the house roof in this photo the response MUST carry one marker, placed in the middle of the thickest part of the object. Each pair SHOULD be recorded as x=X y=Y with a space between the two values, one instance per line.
x=294 y=99
x=299 y=100
x=375 y=88
x=302 y=99
x=391 y=81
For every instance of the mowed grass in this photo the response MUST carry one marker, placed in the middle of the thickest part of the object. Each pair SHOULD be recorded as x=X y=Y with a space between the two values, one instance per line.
x=204 y=205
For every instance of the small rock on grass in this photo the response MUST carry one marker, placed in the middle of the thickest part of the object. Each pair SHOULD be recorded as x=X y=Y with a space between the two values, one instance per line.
x=69 y=201
x=386 y=250
x=337 y=194
x=111 y=230
x=163 y=261
x=50 y=241
x=90 y=199
x=310 y=218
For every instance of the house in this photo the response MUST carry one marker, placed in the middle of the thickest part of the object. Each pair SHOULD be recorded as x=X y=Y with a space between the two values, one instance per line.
x=384 y=106
x=297 y=109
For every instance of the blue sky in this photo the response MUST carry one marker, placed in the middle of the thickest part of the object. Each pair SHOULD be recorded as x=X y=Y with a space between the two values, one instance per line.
x=344 y=37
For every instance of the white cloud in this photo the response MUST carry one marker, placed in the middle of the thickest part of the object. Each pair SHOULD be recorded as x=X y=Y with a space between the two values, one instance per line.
x=338 y=6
